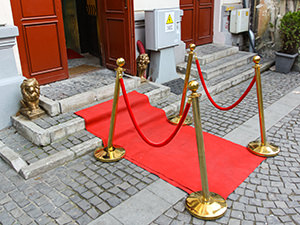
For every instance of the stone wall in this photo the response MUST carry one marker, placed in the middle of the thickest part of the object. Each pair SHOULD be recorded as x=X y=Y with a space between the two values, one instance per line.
x=266 y=19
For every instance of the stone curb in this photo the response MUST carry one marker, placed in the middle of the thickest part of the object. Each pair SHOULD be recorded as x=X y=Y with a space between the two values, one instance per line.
x=46 y=164
x=59 y=158
x=43 y=137
x=11 y=157
x=86 y=146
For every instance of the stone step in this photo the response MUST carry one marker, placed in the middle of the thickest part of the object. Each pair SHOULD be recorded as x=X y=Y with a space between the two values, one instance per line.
x=48 y=129
x=81 y=96
x=30 y=160
x=171 y=104
x=220 y=66
x=212 y=52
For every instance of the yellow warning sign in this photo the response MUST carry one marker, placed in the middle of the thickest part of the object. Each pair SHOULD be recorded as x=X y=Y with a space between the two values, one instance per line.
x=169 y=20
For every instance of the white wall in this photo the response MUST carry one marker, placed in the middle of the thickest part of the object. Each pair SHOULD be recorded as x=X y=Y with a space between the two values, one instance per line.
x=141 y=5
x=6 y=17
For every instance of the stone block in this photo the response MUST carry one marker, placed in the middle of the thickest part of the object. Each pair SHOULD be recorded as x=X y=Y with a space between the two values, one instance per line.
x=77 y=101
x=46 y=164
x=51 y=107
x=31 y=131
x=86 y=146
x=67 y=128
x=12 y=158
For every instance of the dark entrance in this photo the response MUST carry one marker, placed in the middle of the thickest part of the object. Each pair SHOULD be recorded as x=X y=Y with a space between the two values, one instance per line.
x=80 y=24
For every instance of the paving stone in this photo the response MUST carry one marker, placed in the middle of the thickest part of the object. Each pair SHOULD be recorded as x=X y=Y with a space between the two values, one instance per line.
x=64 y=219
x=93 y=213
x=163 y=220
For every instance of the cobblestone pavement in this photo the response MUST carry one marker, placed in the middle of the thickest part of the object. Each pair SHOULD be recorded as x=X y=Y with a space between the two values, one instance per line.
x=84 y=189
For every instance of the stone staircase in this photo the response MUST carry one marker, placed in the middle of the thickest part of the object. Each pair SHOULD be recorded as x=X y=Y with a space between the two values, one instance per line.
x=33 y=147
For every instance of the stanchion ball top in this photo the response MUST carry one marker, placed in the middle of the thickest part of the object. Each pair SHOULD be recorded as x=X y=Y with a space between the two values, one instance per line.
x=120 y=62
x=256 y=59
x=193 y=85
x=192 y=47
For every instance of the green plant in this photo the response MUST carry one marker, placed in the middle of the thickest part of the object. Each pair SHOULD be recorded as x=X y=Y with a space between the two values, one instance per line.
x=290 y=32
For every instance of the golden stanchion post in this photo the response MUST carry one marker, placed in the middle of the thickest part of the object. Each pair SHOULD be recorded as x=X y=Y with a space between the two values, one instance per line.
x=113 y=153
x=175 y=119
x=202 y=204
x=261 y=148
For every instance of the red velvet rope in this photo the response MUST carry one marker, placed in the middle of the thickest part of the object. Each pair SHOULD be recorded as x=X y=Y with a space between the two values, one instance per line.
x=211 y=99
x=165 y=142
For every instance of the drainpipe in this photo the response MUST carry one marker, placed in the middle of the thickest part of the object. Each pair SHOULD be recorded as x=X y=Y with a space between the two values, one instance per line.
x=251 y=34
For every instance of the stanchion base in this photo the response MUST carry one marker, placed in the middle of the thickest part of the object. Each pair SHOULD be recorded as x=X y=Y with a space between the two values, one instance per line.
x=104 y=155
x=211 y=209
x=175 y=120
x=266 y=150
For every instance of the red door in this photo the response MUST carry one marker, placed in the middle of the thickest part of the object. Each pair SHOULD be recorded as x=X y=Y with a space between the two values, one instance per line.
x=41 y=40
x=197 y=21
x=117 y=33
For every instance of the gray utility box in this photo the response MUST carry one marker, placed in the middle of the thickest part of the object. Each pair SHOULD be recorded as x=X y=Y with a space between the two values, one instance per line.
x=162 y=28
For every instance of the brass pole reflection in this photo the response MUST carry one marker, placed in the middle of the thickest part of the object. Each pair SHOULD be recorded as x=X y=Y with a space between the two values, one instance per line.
x=260 y=100
x=113 y=153
x=199 y=136
x=115 y=104
x=203 y=204
x=188 y=120
x=262 y=147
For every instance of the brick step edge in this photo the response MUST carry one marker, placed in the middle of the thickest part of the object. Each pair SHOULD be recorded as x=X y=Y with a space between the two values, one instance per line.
x=48 y=163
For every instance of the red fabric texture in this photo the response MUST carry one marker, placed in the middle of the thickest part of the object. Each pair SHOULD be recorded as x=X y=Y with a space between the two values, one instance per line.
x=132 y=117
x=71 y=54
x=228 y=164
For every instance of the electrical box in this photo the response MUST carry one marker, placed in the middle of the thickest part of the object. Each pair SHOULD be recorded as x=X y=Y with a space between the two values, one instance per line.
x=239 y=20
x=162 y=28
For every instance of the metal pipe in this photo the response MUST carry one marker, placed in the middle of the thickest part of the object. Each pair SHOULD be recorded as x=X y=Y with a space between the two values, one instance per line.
x=194 y=97
x=187 y=77
x=257 y=66
x=119 y=70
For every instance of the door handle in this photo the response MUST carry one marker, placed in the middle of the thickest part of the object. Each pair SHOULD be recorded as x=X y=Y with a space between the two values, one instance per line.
x=125 y=4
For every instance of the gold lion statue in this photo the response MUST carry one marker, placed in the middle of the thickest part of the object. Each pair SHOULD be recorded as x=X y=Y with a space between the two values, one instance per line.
x=31 y=96
x=142 y=63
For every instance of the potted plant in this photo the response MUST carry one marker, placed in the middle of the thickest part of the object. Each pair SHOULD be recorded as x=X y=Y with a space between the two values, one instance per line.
x=289 y=29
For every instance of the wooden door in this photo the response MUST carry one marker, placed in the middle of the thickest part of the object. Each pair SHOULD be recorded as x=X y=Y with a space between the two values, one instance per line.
x=197 y=21
x=41 y=40
x=117 y=33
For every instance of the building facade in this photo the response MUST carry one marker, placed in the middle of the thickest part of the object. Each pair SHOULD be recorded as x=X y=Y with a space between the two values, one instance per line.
x=107 y=29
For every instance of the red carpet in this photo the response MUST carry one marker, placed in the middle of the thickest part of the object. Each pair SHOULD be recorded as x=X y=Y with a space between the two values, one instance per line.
x=71 y=54
x=228 y=164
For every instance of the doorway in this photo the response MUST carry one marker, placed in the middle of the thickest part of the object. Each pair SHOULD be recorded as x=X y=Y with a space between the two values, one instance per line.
x=81 y=29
